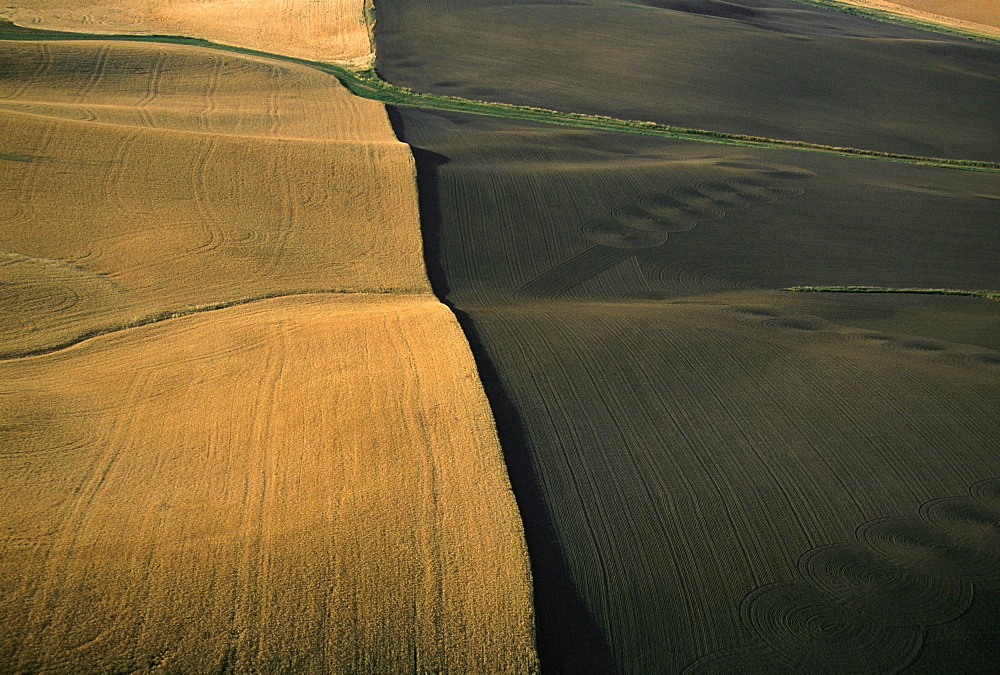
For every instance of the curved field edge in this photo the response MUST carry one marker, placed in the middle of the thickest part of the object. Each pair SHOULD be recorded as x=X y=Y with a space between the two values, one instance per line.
x=366 y=83
x=916 y=22
x=988 y=295
x=420 y=352
x=238 y=570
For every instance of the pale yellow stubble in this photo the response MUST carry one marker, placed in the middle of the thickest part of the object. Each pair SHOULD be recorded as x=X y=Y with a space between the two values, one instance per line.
x=300 y=485
x=318 y=30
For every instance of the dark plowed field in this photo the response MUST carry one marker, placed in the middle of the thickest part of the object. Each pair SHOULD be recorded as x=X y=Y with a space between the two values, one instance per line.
x=765 y=67
x=713 y=472
x=716 y=475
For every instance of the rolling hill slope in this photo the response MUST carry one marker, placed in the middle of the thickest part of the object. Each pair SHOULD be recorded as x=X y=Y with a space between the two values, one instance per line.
x=771 y=68
x=239 y=433
x=705 y=463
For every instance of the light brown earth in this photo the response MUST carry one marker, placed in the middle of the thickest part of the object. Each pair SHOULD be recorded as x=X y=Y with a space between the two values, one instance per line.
x=238 y=432
x=326 y=30
x=982 y=16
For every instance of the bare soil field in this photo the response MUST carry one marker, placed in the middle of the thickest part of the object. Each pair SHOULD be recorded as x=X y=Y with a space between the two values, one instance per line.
x=238 y=432
x=771 y=68
x=299 y=485
x=614 y=215
x=329 y=30
x=712 y=472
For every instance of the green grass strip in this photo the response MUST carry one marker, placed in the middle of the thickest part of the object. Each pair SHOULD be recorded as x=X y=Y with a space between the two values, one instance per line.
x=367 y=84
x=19 y=157
x=901 y=20
x=989 y=295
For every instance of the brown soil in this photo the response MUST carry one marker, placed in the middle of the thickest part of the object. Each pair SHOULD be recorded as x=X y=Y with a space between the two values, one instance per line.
x=680 y=434
x=771 y=68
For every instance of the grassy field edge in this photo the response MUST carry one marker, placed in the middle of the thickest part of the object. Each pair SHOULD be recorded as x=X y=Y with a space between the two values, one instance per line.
x=368 y=84
x=988 y=295
x=179 y=312
x=900 y=20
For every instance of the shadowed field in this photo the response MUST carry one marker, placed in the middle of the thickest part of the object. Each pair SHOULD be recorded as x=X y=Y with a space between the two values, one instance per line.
x=324 y=31
x=608 y=215
x=713 y=475
x=710 y=471
x=771 y=68
x=239 y=433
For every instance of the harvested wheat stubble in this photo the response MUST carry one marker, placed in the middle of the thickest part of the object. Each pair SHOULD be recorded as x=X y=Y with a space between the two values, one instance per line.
x=681 y=438
x=969 y=14
x=326 y=30
x=159 y=178
x=197 y=474
x=301 y=484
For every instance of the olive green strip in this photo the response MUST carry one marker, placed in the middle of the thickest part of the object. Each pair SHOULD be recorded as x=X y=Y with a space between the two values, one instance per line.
x=886 y=16
x=989 y=295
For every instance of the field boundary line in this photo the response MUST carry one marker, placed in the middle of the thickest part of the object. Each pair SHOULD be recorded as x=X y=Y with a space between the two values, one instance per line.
x=368 y=84
x=166 y=315
x=920 y=21
x=988 y=295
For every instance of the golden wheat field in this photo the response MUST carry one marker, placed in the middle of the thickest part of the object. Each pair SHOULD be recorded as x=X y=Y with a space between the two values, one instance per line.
x=302 y=484
x=954 y=12
x=143 y=179
x=319 y=30
x=238 y=432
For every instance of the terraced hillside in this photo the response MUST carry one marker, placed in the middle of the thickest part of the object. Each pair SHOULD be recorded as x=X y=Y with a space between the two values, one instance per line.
x=714 y=474
x=239 y=432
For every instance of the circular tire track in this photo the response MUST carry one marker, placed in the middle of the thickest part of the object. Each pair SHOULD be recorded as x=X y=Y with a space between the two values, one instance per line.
x=791 y=323
x=20 y=298
x=854 y=577
x=764 y=191
x=730 y=197
x=671 y=215
x=922 y=548
x=742 y=660
x=804 y=626
x=699 y=204
x=647 y=222
x=983 y=359
x=974 y=523
x=778 y=171
x=987 y=492
x=638 y=218
x=612 y=232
